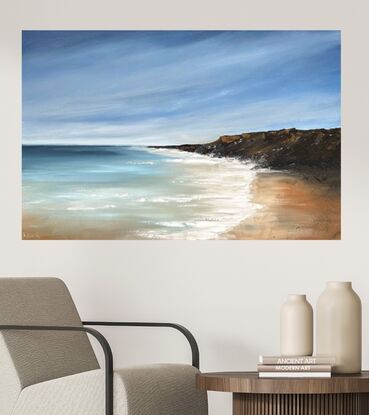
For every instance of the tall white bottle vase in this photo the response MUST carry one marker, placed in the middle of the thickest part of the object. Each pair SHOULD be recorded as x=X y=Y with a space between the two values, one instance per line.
x=339 y=327
x=296 y=327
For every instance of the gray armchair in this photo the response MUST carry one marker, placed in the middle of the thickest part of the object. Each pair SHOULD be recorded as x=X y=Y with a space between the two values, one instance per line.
x=48 y=367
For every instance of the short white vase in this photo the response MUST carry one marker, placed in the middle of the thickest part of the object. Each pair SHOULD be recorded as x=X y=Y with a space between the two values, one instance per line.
x=296 y=326
x=338 y=327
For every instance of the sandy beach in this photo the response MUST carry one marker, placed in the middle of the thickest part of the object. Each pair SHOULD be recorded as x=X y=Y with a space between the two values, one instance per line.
x=292 y=207
x=39 y=227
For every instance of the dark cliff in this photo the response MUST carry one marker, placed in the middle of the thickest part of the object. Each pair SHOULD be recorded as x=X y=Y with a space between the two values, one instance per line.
x=318 y=149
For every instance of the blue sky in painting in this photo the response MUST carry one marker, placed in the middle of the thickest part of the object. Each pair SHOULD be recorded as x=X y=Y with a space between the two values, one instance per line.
x=158 y=87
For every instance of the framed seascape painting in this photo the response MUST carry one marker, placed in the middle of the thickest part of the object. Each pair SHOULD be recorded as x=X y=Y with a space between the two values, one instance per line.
x=181 y=135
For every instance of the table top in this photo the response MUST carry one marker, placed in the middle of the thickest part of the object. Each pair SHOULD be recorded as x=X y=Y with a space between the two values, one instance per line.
x=249 y=382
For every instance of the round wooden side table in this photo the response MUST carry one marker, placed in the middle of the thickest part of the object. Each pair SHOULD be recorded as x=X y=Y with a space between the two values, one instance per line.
x=339 y=395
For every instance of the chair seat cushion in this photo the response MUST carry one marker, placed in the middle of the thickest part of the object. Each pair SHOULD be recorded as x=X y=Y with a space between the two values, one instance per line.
x=159 y=389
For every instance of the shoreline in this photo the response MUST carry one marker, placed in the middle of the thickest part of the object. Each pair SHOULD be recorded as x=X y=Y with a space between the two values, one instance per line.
x=303 y=204
x=291 y=208
x=291 y=205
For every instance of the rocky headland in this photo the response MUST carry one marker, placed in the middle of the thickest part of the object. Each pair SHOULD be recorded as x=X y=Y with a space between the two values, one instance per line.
x=313 y=153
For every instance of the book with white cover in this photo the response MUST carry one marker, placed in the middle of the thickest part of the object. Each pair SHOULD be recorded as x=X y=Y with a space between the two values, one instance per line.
x=294 y=368
x=295 y=375
x=297 y=360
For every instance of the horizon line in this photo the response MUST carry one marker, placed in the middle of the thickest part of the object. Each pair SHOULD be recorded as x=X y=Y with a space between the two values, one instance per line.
x=172 y=144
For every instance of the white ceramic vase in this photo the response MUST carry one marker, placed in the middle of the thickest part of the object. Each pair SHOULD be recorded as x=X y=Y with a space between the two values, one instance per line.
x=296 y=327
x=338 y=326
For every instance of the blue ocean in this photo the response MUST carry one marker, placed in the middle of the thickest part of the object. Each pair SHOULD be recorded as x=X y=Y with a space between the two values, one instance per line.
x=122 y=192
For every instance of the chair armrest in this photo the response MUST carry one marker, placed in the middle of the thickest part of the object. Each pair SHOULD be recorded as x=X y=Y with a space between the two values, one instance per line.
x=100 y=338
x=189 y=336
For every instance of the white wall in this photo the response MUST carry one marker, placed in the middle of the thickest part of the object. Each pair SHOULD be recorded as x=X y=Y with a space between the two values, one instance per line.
x=228 y=292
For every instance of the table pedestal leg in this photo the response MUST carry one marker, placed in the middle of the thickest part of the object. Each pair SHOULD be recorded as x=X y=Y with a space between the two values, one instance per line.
x=294 y=404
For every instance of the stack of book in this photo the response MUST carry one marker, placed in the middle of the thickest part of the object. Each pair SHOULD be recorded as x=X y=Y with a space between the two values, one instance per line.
x=295 y=367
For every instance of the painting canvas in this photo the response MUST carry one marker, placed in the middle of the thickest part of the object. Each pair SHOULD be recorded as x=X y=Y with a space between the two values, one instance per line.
x=190 y=135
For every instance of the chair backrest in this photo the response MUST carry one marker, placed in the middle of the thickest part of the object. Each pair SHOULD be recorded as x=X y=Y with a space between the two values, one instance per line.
x=36 y=357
